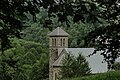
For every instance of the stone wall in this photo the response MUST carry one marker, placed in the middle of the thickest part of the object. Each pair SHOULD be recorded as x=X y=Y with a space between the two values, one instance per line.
x=56 y=73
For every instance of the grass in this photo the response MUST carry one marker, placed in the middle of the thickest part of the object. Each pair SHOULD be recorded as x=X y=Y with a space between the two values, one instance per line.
x=112 y=75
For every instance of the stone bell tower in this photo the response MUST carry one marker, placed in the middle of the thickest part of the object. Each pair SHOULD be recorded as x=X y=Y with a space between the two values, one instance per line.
x=58 y=39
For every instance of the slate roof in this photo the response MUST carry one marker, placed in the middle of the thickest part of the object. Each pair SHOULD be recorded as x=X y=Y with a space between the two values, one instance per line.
x=95 y=61
x=58 y=32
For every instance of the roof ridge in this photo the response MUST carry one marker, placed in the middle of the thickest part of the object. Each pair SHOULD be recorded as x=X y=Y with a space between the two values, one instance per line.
x=58 y=32
x=80 y=48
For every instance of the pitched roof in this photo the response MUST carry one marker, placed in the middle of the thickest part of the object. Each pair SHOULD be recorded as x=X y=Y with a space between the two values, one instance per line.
x=95 y=61
x=58 y=32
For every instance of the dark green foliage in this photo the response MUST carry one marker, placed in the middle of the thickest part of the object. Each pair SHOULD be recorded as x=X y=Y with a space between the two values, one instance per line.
x=107 y=36
x=77 y=9
x=112 y=75
x=40 y=70
x=25 y=61
x=116 y=66
x=13 y=13
x=92 y=11
x=36 y=33
x=78 y=32
x=74 y=66
x=107 y=39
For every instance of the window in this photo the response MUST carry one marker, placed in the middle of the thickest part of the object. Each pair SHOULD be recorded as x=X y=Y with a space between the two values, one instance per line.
x=63 y=42
x=52 y=42
x=55 y=42
x=55 y=76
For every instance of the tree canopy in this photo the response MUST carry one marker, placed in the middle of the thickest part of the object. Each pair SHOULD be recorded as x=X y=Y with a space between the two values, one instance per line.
x=74 y=66
x=27 y=60
x=13 y=13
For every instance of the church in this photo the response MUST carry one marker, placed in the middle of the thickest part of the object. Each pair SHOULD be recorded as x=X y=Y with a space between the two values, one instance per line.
x=58 y=46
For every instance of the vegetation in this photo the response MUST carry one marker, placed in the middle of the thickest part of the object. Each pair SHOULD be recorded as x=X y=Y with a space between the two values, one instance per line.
x=27 y=60
x=74 y=66
x=116 y=66
x=89 y=22
x=13 y=13
x=113 y=75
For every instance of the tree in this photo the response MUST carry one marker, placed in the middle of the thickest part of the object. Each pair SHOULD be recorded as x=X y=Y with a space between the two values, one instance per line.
x=74 y=66
x=39 y=34
x=40 y=69
x=107 y=36
x=24 y=61
x=13 y=13
x=116 y=66
x=12 y=16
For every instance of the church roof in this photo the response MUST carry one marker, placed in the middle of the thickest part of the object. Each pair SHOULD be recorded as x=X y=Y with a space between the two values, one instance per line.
x=95 y=61
x=58 y=32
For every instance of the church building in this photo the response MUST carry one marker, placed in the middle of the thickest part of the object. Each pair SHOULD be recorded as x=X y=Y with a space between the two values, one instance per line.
x=58 y=46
